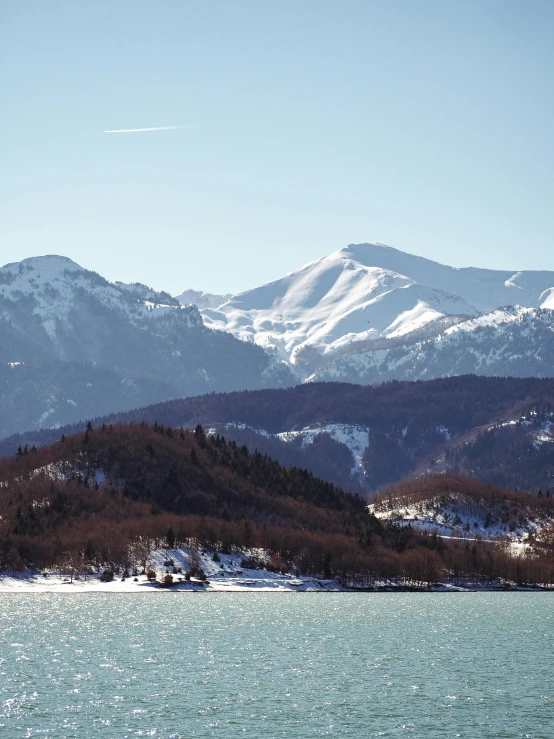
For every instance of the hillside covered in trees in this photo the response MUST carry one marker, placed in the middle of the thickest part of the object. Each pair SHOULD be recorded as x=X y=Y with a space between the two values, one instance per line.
x=111 y=494
x=496 y=429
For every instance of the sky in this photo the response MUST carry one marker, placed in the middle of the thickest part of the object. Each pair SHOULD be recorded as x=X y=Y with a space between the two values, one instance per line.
x=291 y=129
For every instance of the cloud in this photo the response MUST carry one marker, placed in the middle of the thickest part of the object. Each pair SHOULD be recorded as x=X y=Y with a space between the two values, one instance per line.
x=140 y=130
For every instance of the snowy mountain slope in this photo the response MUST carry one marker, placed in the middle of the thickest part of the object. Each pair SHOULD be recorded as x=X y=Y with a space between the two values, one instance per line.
x=547 y=299
x=501 y=320
x=201 y=299
x=368 y=292
x=332 y=302
x=52 y=310
x=513 y=341
x=486 y=289
x=67 y=306
x=354 y=437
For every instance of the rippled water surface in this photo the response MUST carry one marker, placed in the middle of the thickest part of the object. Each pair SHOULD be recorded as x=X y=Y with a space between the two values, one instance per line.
x=277 y=665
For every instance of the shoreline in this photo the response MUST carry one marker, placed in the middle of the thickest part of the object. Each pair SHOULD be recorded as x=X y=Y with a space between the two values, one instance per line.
x=222 y=573
x=35 y=583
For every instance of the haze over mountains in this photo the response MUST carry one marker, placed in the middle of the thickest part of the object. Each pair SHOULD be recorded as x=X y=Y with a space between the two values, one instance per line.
x=74 y=345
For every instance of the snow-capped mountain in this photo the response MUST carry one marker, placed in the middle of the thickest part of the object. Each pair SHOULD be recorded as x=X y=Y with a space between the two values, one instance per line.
x=512 y=341
x=368 y=292
x=64 y=308
x=53 y=310
x=365 y=314
x=485 y=289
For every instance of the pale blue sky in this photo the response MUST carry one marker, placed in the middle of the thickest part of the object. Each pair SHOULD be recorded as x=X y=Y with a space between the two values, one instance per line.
x=426 y=125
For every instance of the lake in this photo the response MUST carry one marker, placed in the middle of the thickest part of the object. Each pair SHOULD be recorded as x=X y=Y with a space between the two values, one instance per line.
x=277 y=665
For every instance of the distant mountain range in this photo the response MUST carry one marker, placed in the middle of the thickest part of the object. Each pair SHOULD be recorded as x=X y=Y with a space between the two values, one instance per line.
x=73 y=345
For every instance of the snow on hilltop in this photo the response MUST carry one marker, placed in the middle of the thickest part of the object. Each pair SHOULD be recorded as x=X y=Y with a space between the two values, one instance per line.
x=454 y=514
x=366 y=292
x=74 y=345
x=56 y=284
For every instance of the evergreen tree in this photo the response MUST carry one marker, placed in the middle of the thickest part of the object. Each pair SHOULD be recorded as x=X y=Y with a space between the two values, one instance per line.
x=170 y=538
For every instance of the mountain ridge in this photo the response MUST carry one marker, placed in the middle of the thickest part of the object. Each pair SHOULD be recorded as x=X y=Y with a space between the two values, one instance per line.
x=365 y=314
x=52 y=310
x=510 y=341
x=368 y=292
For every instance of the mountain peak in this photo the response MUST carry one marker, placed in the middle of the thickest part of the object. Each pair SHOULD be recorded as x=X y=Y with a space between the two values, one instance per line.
x=365 y=292
x=376 y=254
x=362 y=292
x=49 y=262
x=370 y=245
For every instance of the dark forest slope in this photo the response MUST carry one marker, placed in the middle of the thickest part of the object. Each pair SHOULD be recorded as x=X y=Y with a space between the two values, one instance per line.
x=496 y=429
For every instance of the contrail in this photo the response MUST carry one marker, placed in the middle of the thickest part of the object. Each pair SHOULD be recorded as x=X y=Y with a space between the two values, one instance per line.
x=157 y=128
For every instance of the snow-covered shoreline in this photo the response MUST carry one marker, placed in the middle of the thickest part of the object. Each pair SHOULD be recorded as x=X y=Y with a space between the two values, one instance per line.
x=218 y=572
x=56 y=584
x=211 y=572
x=262 y=583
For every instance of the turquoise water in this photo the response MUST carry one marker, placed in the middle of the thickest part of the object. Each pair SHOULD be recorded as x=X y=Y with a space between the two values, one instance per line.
x=277 y=665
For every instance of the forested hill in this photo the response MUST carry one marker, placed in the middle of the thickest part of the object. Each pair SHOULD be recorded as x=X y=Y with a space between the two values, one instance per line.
x=100 y=496
x=181 y=471
x=360 y=438
x=108 y=488
x=457 y=403
x=458 y=506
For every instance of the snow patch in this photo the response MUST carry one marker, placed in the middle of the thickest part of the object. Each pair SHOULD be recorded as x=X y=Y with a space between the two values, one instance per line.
x=227 y=575
x=356 y=438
